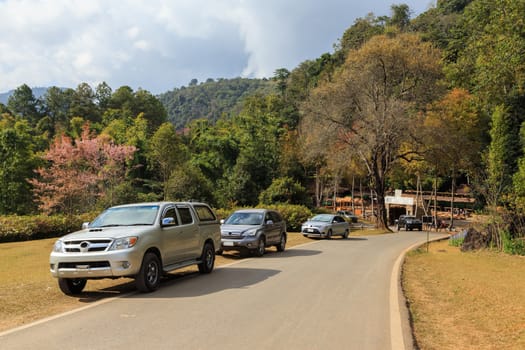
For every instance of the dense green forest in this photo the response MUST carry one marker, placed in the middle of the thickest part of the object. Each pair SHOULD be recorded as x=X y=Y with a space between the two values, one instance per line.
x=400 y=101
x=211 y=99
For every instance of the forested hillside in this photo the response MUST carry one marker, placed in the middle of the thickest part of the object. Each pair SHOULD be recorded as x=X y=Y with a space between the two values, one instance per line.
x=401 y=103
x=211 y=99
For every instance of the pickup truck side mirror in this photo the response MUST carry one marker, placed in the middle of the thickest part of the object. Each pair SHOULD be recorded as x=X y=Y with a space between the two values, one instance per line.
x=269 y=222
x=85 y=225
x=222 y=221
x=168 y=221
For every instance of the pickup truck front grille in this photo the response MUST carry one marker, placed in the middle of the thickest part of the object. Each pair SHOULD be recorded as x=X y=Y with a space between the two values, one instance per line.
x=87 y=246
x=83 y=265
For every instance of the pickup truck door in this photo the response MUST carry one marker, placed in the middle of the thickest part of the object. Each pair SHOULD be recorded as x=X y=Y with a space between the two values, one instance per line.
x=171 y=233
x=189 y=237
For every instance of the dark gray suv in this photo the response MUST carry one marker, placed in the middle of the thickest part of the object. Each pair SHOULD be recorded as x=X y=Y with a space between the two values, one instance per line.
x=253 y=230
x=409 y=223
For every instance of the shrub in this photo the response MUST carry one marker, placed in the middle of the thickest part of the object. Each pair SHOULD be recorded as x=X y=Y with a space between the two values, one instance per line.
x=23 y=228
x=294 y=215
x=515 y=246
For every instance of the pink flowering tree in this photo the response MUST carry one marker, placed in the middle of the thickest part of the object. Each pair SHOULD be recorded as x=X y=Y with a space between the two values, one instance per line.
x=80 y=172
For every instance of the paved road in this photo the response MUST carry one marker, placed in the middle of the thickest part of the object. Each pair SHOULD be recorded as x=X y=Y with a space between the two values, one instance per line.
x=330 y=294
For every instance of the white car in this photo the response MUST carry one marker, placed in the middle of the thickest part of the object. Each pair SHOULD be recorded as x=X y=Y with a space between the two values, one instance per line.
x=326 y=226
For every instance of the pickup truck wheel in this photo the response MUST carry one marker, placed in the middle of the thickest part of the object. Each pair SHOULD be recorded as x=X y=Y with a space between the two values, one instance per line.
x=345 y=235
x=282 y=243
x=261 y=246
x=207 y=258
x=70 y=286
x=148 y=278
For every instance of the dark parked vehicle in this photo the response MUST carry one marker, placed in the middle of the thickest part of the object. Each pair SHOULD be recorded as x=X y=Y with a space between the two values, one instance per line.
x=348 y=215
x=253 y=230
x=409 y=223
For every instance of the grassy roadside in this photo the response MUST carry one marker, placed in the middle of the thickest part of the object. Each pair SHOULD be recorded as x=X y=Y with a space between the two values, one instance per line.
x=465 y=300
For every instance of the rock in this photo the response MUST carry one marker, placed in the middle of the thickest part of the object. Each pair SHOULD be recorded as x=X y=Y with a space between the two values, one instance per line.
x=475 y=240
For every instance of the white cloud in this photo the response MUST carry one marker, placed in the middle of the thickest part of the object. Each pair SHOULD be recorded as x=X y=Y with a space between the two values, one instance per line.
x=162 y=44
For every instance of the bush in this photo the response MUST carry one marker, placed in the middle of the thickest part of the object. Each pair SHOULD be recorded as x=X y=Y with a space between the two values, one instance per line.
x=294 y=215
x=515 y=246
x=457 y=239
x=23 y=228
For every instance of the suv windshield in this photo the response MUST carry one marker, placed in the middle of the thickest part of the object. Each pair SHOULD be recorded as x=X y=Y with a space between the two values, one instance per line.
x=127 y=216
x=245 y=219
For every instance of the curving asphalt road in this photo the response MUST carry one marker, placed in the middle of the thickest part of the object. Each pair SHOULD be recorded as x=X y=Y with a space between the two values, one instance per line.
x=328 y=294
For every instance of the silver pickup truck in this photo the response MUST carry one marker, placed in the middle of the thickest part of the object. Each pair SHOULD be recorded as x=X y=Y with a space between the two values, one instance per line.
x=142 y=241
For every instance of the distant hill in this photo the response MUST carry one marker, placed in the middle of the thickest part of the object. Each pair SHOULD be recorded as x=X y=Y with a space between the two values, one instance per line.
x=208 y=100
x=211 y=99
x=37 y=92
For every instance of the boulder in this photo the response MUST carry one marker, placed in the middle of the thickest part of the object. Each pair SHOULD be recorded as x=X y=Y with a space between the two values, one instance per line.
x=475 y=240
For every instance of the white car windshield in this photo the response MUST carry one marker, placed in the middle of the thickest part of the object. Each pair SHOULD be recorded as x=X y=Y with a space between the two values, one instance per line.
x=322 y=218
x=127 y=216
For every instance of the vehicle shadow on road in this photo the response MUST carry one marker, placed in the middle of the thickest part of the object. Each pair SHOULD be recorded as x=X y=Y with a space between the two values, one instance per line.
x=196 y=284
x=271 y=253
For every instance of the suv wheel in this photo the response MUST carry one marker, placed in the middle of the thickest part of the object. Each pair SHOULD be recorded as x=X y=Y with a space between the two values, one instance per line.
x=329 y=234
x=208 y=258
x=345 y=235
x=70 y=286
x=148 y=278
x=261 y=246
x=282 y=243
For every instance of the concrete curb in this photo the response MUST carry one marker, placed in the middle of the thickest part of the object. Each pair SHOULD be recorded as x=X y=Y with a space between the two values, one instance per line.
x=397 y=339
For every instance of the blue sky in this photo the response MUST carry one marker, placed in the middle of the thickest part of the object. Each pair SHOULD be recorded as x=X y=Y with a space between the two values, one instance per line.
x=158 y=45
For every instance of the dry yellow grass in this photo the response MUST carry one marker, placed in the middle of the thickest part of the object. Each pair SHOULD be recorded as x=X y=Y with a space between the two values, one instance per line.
x=465 y=300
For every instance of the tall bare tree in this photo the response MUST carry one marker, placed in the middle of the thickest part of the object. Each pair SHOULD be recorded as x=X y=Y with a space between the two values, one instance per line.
x=372 y=103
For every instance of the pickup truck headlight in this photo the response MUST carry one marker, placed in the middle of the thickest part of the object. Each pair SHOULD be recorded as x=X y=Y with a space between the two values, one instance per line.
x=124 y=243
x=58 y=247
x=251 y=233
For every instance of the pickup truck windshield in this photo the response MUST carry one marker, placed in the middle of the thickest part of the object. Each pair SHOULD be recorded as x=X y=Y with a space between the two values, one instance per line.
x=127 y=216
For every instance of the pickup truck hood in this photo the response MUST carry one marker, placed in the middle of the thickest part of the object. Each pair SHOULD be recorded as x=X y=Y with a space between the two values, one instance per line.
x=108 y=232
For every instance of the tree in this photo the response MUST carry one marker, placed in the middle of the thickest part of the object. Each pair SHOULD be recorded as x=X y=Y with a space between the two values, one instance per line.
x=281 y=76
x=487 y=54
x=370 y=104
x=83 y=104
x=283 y=190
x=56 y=107
x=24 y=104
x=502 y=156
x=400 y=16
x=80 y=173
x=103 y=95
x=166 y=153
x=453 y=134
x=187 y=182
x=358 y=34
x=17 y=161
